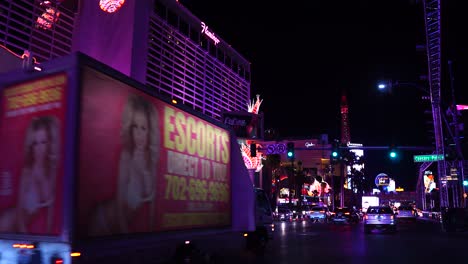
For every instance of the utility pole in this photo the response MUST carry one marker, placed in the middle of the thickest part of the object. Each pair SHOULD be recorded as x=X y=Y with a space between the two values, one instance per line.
x=291 y=182
x=291 y=178
x=343 y=175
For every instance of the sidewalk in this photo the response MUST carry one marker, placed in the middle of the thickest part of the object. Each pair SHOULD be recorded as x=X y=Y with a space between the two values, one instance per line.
x=456 y=224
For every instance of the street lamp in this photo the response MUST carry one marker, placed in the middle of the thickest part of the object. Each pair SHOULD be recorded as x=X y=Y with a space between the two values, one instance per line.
x=457 y=163
x=387 y=85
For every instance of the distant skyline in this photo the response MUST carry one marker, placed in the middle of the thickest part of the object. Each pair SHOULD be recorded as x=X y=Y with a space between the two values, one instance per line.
x=304 y=55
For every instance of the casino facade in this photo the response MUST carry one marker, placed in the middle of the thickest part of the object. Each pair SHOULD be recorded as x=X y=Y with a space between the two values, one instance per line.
x=158 y=42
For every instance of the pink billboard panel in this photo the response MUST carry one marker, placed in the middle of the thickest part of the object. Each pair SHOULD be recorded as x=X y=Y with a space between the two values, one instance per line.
x=32 y=117
x=147 y=166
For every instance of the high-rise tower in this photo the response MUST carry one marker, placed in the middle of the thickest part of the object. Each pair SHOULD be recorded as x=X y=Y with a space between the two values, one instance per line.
x=345 y=135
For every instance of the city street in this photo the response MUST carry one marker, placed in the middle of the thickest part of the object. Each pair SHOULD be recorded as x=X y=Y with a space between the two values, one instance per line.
x=306 y=242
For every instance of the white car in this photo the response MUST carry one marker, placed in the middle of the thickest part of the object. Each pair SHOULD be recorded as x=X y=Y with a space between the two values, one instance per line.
x=319 y=214
x=380 y=218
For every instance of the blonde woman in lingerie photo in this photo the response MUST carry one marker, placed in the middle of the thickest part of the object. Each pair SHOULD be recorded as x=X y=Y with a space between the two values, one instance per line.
x=35 y=205
x=137 y=170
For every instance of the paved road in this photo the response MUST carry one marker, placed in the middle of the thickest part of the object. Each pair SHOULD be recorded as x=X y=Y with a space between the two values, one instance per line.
x=305 y=242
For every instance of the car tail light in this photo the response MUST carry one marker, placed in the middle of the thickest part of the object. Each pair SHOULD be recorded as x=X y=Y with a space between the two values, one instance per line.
x=346 y=213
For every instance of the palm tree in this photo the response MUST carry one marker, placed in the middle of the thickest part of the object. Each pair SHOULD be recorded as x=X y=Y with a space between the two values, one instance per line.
x=272 y=165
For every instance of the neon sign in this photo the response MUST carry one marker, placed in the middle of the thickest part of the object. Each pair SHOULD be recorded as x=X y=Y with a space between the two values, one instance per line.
x=209 y=33
x=110 y=6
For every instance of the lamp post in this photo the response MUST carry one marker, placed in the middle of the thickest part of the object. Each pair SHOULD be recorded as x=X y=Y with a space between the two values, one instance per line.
x=454 y=200
x=387 y=85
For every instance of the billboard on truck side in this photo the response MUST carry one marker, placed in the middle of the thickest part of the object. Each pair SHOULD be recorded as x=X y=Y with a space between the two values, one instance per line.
x=369 y=201
x=87 y=152
x=32 y=117
x=145 y=165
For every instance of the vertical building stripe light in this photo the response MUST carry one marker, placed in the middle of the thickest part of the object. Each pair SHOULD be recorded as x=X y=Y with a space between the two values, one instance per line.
x=110 y=6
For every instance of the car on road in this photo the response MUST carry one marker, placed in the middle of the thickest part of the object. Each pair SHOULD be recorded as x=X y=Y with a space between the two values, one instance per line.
x=284 y=214
x=406 y=212
x=344 y=215
x=319 y=214
x=305 y=211
x=380 y=218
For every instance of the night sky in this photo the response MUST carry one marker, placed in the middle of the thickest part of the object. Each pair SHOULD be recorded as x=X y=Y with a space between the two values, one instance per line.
x=305 y=54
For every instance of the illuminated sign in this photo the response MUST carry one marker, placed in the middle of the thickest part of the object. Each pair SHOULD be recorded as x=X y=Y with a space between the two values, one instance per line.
x=245 y=125
x=428 y=158
x=354 y=144
x=309 y=144
x=209 y=33
x=48 y=18
x=276 y=148
x=111 y=6
x=32 y=118
x=382 y=179
x=462 y=107
x=429 y=183
x=168 y=168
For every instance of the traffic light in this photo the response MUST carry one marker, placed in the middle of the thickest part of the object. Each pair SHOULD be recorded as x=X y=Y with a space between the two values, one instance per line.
x=290 y=150
x=393 y=153
x=335 y=152
x=465 y=183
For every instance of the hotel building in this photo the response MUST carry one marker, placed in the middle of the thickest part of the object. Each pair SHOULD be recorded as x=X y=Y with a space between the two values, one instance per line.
x=157 y=42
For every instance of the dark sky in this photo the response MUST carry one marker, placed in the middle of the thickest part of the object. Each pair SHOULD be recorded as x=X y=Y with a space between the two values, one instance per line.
x=305 y=54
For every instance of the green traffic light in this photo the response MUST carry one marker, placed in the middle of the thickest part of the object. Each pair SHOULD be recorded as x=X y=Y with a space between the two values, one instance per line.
x=290 y=149
x=393 y=154
x=334 y=154
x=465 y=183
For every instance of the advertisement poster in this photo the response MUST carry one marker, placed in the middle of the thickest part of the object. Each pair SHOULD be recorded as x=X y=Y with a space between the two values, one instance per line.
x=31 y=156
x=369 y=201
x=145 y=165
x=429 y=182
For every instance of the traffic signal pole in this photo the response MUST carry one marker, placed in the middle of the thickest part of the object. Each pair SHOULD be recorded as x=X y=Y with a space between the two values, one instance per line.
x=342 y=171
x=291 y=182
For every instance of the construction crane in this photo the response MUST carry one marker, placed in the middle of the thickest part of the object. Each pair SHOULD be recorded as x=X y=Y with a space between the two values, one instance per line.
x=450 y=173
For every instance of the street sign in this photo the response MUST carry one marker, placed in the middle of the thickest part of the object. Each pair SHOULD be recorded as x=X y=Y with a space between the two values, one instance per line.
x=428 y=158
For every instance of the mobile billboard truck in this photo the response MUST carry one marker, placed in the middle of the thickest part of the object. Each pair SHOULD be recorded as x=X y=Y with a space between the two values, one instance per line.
x=369 y=201
x=95 y=168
